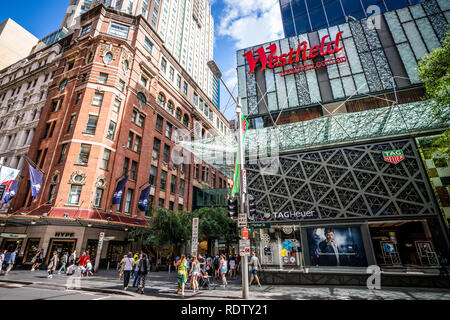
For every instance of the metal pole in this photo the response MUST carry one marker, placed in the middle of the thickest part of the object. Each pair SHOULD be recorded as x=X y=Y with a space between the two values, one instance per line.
x=242 y=193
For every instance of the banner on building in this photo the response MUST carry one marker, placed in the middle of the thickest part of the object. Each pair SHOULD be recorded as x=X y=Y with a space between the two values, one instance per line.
x=11 y=193
x=119 y=191
x=236 y=185
x=143 y=199
x=35 y=180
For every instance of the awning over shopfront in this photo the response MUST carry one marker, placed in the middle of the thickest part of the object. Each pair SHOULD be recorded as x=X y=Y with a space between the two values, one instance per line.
x=402 y=119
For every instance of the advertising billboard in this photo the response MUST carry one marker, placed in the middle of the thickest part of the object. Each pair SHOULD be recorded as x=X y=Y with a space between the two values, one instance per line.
x=336 y=246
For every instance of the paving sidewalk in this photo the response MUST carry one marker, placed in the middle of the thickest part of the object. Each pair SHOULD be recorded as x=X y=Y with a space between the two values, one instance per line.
x=162 y=286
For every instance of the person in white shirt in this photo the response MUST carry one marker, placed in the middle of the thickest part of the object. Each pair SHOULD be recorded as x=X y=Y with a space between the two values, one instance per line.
x=128 y=262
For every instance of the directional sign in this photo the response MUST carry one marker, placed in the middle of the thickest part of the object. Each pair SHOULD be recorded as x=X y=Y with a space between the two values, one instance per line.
x=245 y=233
x=242 y=220
x=244 y=248
x=194 y=242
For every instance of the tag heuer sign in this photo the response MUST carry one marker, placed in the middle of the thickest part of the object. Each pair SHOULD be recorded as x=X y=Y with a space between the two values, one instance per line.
x=393 y=156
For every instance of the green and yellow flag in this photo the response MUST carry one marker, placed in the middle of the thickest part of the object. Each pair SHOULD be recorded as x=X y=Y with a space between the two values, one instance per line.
x=236 y=186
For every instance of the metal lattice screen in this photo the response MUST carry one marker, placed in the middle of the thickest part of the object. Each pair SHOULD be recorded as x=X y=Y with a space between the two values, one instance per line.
x=342 y=183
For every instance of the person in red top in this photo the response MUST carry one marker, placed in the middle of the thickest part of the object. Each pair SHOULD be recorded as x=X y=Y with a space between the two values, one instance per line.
x=82 y=261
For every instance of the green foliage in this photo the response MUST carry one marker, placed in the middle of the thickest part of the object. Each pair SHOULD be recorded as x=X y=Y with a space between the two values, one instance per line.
x=175 y=228
x=434 y=71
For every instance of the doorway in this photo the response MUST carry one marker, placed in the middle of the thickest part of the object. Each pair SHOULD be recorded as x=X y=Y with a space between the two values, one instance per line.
x=60 y=246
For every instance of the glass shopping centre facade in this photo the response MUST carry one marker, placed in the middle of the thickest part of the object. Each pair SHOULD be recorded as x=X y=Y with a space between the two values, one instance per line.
x=344 y=110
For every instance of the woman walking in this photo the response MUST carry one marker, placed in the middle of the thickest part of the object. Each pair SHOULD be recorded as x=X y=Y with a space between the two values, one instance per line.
x=64 y=260
x=232 y=267
x=142 y=269
x=195 y=271
x=223 y=270
x=37 y=259
x=120 y=266
x=128 y=267
x=182 y=274
x=52 y=265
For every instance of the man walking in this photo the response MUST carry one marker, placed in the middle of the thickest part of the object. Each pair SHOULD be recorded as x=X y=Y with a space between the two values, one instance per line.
x=64 y=260
x=256 y=266
x=10 y=262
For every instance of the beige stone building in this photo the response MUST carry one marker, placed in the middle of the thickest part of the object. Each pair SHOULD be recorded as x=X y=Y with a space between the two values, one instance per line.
x=15 y=43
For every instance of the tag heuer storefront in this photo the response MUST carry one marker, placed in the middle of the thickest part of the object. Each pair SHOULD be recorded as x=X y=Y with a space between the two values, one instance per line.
x=336 y=211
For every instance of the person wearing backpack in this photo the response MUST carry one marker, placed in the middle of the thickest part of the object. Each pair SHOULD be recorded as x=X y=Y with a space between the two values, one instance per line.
x=142 y=269
x=216 y=267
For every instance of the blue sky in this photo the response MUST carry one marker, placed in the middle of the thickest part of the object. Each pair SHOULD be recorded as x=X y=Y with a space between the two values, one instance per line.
x=238 y=24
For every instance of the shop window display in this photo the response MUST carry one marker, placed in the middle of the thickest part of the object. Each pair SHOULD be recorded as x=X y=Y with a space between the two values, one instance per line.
x=279 y=247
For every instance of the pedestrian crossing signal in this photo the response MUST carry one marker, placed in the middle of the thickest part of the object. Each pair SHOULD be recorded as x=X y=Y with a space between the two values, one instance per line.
x=251 y=206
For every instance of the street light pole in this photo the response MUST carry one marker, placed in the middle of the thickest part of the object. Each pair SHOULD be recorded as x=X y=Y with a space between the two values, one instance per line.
x=242 y=194
x=243 y=187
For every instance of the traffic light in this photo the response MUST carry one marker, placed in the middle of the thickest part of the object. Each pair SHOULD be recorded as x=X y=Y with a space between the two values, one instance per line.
x=233 y=207
x=251 y=206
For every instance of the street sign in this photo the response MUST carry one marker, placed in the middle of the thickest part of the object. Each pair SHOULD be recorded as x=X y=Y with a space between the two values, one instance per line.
x=244 y=248
x=245 y=233
x=260 y=225
x=100 y=240
x=242 y=220
x=194 y=242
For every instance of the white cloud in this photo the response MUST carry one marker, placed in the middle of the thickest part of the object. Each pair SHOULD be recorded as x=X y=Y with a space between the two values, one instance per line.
x=251 y=22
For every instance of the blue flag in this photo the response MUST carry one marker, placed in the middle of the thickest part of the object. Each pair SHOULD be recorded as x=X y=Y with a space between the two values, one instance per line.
x=119 y=191
x=143 y=200
x=11 y=192
x=36 y=181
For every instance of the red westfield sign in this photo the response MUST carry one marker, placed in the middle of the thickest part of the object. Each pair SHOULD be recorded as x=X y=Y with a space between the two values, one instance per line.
x=301 y=52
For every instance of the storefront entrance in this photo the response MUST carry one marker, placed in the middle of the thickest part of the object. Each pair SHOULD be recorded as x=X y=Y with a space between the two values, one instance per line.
x=30 y=250
x=116 y=251
x=60 y=246
x=92 y=246
x=403 y=243
x=278 y=247
x=12 y=244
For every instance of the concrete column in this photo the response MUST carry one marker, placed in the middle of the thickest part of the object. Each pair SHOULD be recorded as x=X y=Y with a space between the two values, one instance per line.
x=30 y=137
x=14 y=162
x=23 y=137
x=21 y=161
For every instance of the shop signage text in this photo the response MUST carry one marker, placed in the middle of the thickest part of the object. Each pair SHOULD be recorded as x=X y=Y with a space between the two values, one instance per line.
x=64 y=234
x=260 y=225
x=272 y=61
x=393 y=156
x=293 y=215
x=13 y=235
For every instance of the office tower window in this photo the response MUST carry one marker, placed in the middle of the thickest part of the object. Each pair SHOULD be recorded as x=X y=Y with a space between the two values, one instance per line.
x=116 y=105
x=156 y=148
x=171 y=205
x=130 y=140
x=118 y=30
x=51 y=193
x=98 y=99
x=144 y=81
x=185 y=88
x=166 y=154
x=159 y=123
x=170 y=107
x=128 y=200
x=83 y=156
x=178 y=114
x=181 y=188
x=186 y=120
x=91 y=124
x=126 y=165
x=168 y=130
x=142 y=99
x=71 y=123
x=173 y=183
x=153 y=172
x=74 y=196
x=133 y=170
x=163 y=65
x=103 y=78
x=63 y=152
x=121 y=85
x=98 y=197
x=78 y=98
x=178 y=81
x=171 y=73
x=163 y=180
x=137 y=144
x=106 y=158
x=161 y=202
x=111 y=130
x=148 y=45
x=141 y=120
x=161 y=100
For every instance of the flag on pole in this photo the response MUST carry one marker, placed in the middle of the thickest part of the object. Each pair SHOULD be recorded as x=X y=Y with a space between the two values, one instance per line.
x=119 y=191
x=143 y=200
x=36 y=181
x=236 y=186
x=7 y=178
x=11 y=193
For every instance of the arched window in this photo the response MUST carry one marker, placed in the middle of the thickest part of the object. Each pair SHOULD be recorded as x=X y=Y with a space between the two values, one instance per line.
x=170 y=107
x=178 y=114
x=186 y=120
x=161 y=100
x=142 y=99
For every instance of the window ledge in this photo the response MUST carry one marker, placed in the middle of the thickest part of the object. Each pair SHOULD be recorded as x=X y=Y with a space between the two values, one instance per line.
x=72 y=205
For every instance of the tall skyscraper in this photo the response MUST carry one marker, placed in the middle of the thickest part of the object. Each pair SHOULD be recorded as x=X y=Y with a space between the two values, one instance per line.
x=186 y=26
x=302 y=16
